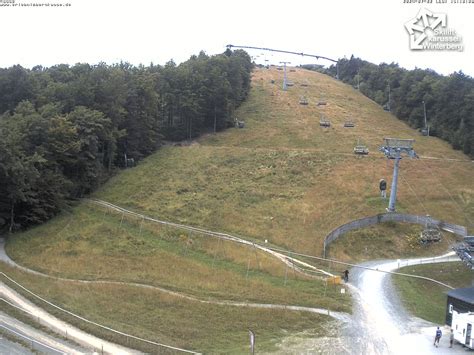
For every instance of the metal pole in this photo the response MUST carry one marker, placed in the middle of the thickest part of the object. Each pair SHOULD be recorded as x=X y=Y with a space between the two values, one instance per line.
x=393 y=192
x=424 y=113
x=389 y=106
x=284 y=76
x=215 y=118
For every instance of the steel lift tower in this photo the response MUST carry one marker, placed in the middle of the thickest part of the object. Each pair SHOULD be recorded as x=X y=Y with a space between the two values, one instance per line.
x=393 y=148
x=285 y=80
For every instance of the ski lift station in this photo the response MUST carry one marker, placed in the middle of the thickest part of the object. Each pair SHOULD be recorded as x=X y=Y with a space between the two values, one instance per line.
x=460 y=315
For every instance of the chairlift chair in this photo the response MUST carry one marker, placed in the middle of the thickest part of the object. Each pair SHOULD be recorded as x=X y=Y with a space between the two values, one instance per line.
x=361 y=149
x=303 y=100
x=324 y=122
x=349 y=124
x=238 y=123
x=322 y=101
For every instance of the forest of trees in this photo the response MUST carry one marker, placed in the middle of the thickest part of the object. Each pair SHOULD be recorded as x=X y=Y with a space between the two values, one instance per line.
x=64 y=129
x=449 y=100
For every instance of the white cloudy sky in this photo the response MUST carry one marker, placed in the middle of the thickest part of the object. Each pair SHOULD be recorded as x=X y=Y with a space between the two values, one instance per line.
x=144 y=31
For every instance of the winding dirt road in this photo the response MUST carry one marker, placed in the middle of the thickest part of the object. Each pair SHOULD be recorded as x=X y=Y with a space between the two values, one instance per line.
x=380 y=323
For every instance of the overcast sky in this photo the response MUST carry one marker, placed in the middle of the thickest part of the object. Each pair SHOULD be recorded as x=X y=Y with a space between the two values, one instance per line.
x=140 y=31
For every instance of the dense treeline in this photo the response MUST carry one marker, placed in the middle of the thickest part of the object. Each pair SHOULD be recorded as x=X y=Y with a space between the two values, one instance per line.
x=449 y=100
x=63 y=129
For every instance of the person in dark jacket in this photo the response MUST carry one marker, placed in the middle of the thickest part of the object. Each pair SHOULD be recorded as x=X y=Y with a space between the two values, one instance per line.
x=437 y=337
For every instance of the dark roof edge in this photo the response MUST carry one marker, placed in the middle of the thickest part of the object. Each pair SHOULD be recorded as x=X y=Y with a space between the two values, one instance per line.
x=464 y=294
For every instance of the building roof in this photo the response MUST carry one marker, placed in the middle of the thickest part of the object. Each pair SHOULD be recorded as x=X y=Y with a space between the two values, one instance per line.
x=463 y=294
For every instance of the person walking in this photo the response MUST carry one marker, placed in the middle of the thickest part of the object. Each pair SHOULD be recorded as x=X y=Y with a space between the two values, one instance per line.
x=383 y=188
x=451 y=339
x=346 y=275
x=437 y=337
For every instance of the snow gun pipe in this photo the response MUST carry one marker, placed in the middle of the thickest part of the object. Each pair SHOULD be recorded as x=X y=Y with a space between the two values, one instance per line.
x=230 y=46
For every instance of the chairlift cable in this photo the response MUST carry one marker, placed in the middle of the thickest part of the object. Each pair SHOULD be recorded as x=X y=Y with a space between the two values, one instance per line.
x=449 y=194
x=283 y=51
x=414 y=193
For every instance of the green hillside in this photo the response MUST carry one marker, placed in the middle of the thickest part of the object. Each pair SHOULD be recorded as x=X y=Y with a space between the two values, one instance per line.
x=282 y=178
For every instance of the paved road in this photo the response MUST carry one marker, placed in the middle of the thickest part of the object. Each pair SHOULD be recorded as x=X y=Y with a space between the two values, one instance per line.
x=380 y=323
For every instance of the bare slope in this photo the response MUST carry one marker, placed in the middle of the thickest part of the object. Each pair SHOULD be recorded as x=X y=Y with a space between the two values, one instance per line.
x=285 y=178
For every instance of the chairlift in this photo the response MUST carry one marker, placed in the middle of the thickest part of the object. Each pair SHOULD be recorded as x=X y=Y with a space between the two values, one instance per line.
x=289 y=83
x=238 y=123
x=349 y=124
x=324 y=122
x=361 y=149
x=303 y=100
x=322 y=101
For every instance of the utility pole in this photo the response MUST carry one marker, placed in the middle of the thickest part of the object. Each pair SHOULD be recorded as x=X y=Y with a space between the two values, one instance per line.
x=389 y=105
x=393 y=149
x=215 y=118
x=284 y=75
x=424 y=114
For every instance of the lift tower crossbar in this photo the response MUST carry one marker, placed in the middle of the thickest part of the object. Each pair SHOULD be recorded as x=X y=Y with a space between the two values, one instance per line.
x=393 y=148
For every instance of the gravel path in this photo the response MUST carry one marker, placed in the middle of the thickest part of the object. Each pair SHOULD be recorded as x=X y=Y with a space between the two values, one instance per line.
x=380 y=323
x=44 y=343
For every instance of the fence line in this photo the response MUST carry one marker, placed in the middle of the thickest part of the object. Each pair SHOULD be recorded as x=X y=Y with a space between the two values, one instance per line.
x=391 y=217
x=31 y=339
x=420 y=262
x=94 y=323
x=291 y=262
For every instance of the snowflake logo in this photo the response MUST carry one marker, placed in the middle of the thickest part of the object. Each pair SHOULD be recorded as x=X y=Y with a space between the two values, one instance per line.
x=417 y=26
